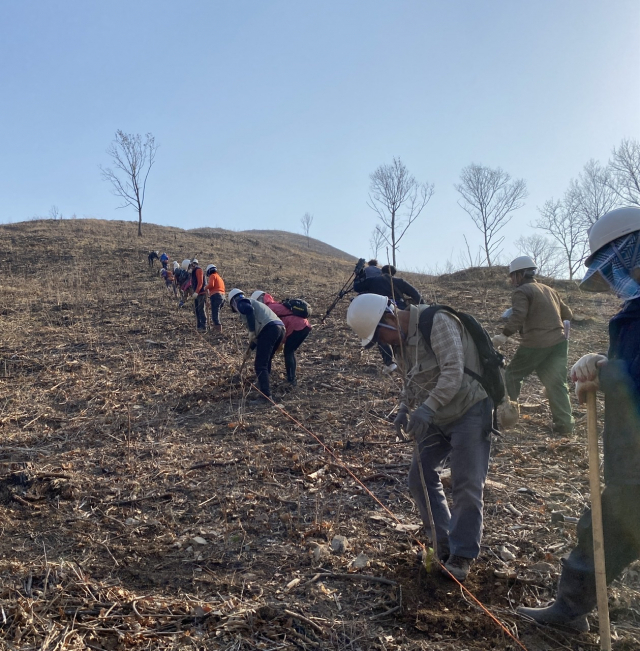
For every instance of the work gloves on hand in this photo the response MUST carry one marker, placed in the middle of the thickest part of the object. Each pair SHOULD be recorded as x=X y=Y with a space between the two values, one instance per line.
x=419 y=422
x=401 y=421
x=499 y=340
x=253 y=338
x=585 y=374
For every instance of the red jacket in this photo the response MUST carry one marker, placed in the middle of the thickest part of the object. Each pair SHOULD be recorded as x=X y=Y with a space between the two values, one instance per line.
x=291 y=322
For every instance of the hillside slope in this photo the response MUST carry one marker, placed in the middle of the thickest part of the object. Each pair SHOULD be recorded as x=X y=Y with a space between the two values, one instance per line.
x=146 y=503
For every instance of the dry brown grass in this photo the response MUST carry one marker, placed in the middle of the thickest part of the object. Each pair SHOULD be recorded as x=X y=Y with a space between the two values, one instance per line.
x=124 y=437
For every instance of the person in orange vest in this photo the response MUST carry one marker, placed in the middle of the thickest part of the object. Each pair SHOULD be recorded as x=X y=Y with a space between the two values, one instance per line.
x=167 y=276
x=215 y=291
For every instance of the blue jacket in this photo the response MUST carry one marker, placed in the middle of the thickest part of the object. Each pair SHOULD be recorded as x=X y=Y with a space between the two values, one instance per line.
x=620 y=381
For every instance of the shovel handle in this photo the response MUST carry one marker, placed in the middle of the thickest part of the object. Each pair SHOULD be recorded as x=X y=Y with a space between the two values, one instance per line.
x=596 y=522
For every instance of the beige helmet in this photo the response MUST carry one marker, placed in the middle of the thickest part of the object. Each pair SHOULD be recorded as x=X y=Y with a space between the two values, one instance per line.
x=186 y=264
x=521 y=263
x=614 y=224
x=258 y=294
x=364 y=314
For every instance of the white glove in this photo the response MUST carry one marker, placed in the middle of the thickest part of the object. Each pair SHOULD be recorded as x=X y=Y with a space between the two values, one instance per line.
x=252 y=337
x=585 y=374
x=586 y=368
x=499 y=340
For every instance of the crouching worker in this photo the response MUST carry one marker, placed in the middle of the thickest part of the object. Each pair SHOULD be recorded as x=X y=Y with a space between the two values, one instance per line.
x=215 y=291
x=614 y=264
x=266 y=333
x=444 y=409
x=297 y=328
x=167 y=276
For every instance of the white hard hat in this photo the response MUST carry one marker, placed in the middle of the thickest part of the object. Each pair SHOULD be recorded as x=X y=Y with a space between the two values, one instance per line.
x=364 y=314
x=176 y=265
x=611 y=226
x=185 y=264
x=210 y=267
x=194 y=261
x=257 y=294
x=522 y=262
x=235 y=292
x=157 y=252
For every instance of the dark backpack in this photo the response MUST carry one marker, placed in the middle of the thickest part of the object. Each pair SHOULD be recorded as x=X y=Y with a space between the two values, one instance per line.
x=297 y=307
x=491 y=361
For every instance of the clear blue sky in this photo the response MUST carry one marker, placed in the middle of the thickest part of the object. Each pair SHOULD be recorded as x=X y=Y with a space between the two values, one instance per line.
x=264 y=110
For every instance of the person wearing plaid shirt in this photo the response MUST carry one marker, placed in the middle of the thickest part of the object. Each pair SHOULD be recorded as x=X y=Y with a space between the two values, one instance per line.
x=445 y=410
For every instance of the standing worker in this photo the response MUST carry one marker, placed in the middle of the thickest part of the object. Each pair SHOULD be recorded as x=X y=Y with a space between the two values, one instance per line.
x=445 y=409
x=199 y=295
x=152 y=257
x=614 y=263
x=266 y=333
x=538 y=312
x=215 y=291
x=296 y=330
x=164 y=260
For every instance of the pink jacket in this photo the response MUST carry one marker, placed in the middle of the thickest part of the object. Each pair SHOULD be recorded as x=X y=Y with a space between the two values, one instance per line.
x=291 y=322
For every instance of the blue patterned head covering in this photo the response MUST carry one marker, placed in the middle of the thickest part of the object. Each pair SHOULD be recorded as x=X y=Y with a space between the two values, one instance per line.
x=615 y=266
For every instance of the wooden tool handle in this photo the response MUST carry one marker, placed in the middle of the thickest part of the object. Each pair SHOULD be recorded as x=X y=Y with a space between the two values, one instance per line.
x=596 y=522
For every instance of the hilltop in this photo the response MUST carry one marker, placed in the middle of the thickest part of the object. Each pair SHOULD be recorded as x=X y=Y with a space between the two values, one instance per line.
x=146 y=503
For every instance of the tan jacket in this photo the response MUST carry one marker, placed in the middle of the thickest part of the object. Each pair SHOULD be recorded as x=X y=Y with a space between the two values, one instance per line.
x=538 y=312
x=435 y=372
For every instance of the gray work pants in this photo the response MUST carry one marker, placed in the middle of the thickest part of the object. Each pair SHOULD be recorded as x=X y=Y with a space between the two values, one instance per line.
x=467 y=444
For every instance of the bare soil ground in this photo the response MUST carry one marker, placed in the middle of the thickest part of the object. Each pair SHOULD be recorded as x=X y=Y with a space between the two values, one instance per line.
x=146 y=503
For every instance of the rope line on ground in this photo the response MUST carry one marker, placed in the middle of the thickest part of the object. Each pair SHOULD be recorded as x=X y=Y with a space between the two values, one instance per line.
x=341 y=465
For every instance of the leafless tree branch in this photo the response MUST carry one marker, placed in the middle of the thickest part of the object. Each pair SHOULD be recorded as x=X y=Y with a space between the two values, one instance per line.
x=397 y=199
x=489 y=197
x=306 y=220
x=624 y=172
x=132 y=159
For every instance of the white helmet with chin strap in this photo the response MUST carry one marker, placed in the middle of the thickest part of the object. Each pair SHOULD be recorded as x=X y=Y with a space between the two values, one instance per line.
x=176 y=265
x=364 y=314
x=235 y=292
x=257 y=294
x=521 y=263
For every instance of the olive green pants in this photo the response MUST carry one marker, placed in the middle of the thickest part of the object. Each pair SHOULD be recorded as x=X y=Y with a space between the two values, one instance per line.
x=550 y=365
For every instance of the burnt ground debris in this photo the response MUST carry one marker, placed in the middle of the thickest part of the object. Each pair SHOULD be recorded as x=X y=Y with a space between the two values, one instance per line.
x=145 y=502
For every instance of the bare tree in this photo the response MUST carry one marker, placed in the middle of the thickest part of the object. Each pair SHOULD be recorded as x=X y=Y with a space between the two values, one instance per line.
x=133 y=159
x=592 y=193
x=306 y=220
x=377 y=238
x=544 y=252
x=563 y=222
x=54 y=213
x=398 y=199
x=624 y=168
x=489 y=196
